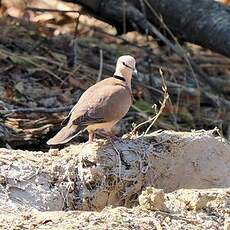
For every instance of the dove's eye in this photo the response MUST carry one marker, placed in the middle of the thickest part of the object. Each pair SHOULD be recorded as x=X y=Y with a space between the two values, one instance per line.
x=127 y=66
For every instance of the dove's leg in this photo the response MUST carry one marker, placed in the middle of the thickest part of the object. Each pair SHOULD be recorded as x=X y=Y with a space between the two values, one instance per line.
x=91 y=136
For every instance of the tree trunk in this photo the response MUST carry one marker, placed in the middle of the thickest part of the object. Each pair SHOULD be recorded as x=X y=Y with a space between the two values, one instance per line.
x=203 y=22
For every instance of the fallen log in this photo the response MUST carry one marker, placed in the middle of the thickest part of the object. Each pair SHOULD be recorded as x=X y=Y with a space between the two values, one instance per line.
x=204 y=22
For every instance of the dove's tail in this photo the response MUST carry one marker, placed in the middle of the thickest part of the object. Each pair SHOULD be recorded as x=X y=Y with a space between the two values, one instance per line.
x=66 y=134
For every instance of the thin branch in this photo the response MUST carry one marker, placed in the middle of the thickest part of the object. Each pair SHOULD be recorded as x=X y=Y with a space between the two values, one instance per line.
x=144 y=24
x=51 y=10
x=154 y=118
x=166 y=96
x=101 y=66
x=35 y=110
x=191 y=64
x=74 y=41
x=124 y=16
x=77 y=22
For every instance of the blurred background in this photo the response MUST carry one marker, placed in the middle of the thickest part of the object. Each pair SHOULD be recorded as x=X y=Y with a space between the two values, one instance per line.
x=51 y=51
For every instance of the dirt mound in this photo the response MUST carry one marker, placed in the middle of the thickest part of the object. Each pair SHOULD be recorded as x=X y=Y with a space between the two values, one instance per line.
x=188 y=174
x=92 y=176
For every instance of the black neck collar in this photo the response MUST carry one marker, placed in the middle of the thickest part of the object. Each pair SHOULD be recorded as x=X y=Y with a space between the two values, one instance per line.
x=119 y=77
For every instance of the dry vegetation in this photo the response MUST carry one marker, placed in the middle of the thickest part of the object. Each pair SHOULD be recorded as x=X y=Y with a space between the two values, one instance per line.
x=47 y=59
x=50 y=63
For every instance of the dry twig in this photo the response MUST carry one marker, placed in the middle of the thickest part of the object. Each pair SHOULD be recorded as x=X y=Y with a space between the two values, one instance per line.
x=154 y=118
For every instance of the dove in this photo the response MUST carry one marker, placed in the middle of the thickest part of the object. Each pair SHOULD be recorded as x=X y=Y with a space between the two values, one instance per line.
x=101 y=106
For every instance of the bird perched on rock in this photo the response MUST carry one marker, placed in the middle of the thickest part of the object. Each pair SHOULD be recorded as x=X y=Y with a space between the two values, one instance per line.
x=101 y=106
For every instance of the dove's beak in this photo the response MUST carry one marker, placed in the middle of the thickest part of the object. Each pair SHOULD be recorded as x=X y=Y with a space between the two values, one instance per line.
x=135 y=73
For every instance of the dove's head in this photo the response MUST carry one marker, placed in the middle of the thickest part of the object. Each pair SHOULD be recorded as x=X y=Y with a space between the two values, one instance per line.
x=126 y=67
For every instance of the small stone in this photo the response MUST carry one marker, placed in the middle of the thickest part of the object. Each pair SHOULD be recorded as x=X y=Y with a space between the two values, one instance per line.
x=227 y=225
x=167 y=219
x=152 y=199
x=54 y=152
x=2 y=180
